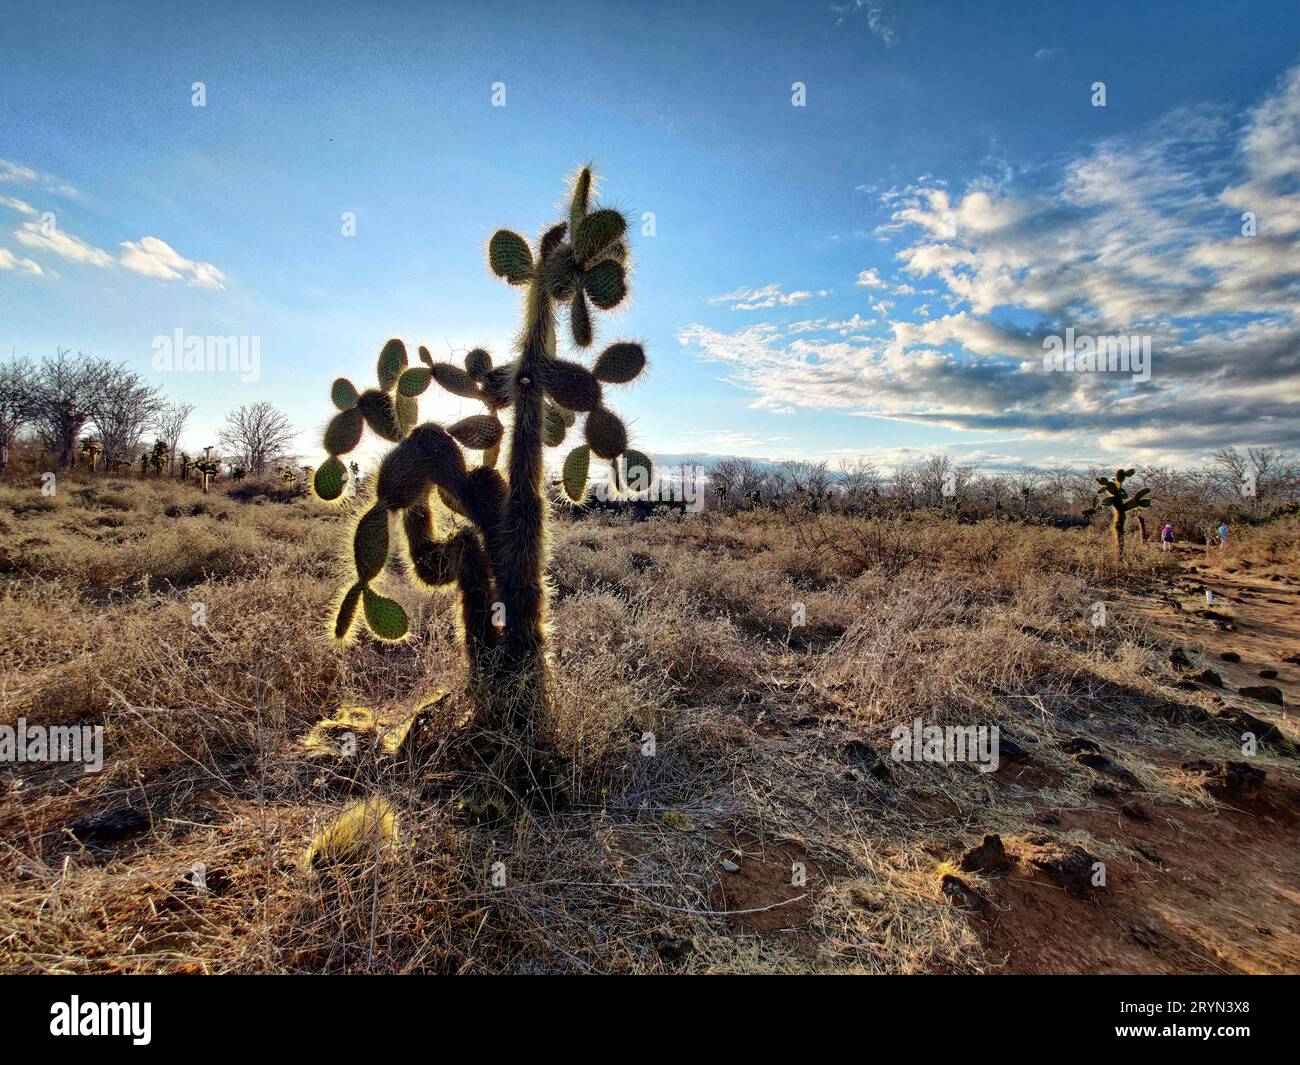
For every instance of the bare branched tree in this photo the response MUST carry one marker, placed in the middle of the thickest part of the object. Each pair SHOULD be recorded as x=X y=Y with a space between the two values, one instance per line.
x=169 y=424
x=122 y=408
x=256 y=436
x=19 y=402
x=67 y=388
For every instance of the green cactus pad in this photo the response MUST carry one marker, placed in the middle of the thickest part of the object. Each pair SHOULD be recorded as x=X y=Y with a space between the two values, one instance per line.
x=425 y=357
x=331 y=475
x=456 y=381
x=414 y=381
x=596 y=233
x=408 y=411
x=638 y=470
x=343 y=432
x=575 y=473
x=509 y=257
x=553 y=427
x=479 y=431
x=605 y=284
x=580 y=199
x=478 y=364
x=347 y=612
x=392 y=361
x=386 y=618
x=605 y=433
x=580 y=321
x=370 y=543
x=620 y=363
x=344 y=394
x=571 y=385
x=380 y=414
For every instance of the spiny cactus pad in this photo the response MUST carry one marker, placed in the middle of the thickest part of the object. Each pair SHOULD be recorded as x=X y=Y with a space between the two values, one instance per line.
x=620 y=363
x=509 y=257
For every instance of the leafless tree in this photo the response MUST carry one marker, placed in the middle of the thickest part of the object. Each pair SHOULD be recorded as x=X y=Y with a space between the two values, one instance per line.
x=859 y=482
x=732 y=480
x=122 y=408
x=256 y=436
x=169 y=424
x=19 y=402
x=66 y=389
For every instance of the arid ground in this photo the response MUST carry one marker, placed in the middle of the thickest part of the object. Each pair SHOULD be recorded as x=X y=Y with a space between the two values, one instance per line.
x=732 y=803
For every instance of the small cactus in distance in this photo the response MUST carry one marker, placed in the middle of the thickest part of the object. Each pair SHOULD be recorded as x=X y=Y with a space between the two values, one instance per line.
x=209 y=468
x=475 y=527
x=92 y=449
x=1113 y=494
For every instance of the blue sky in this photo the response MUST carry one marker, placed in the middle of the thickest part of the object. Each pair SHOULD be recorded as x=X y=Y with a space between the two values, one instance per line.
x=870 y=274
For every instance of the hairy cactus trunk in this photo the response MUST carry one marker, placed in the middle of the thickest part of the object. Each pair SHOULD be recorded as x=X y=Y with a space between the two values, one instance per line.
x=521 y=555
x=1117 y=532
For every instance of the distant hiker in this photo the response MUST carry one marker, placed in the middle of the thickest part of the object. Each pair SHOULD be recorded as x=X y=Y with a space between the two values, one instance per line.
x=1223 y=536
x=1167 y=536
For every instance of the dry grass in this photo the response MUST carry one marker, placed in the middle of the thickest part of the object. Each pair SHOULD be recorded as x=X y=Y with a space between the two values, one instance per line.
x=679 y=633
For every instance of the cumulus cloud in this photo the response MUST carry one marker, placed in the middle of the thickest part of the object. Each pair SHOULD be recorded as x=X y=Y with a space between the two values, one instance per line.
x=156 y=258
x=1148 y=236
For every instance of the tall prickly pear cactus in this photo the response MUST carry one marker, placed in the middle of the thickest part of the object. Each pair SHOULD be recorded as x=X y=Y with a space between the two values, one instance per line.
x=468 y=525
x=1113 y=494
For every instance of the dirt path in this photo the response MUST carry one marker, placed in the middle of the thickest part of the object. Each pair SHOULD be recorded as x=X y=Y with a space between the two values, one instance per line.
x=1206 y=890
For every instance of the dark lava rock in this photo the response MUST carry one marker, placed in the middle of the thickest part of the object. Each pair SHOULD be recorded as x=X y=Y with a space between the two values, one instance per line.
x=962 y=895
x=1179 y=660
x=1230 y=656
x=989 y=857
x=1104 y=764
x=1010 y=751
x=1265 y=693
x=1069 y=866
x=1267 y=674
x=1261 y=729
x=1208 y=676
x=1078 y=745
x=109 y=827
x=864 y=756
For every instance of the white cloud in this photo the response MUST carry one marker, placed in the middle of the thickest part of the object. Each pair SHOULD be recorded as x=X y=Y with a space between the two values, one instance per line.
x=9 y=261
x=757 y=299
x=1134 y=236
x=17 y=174
x=878 y=20
x=64 y=245
x=156 y=258
x=21 y=206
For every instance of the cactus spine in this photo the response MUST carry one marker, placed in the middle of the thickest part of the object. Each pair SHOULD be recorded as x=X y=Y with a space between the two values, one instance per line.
x=496 y=557
x=1113 y=494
